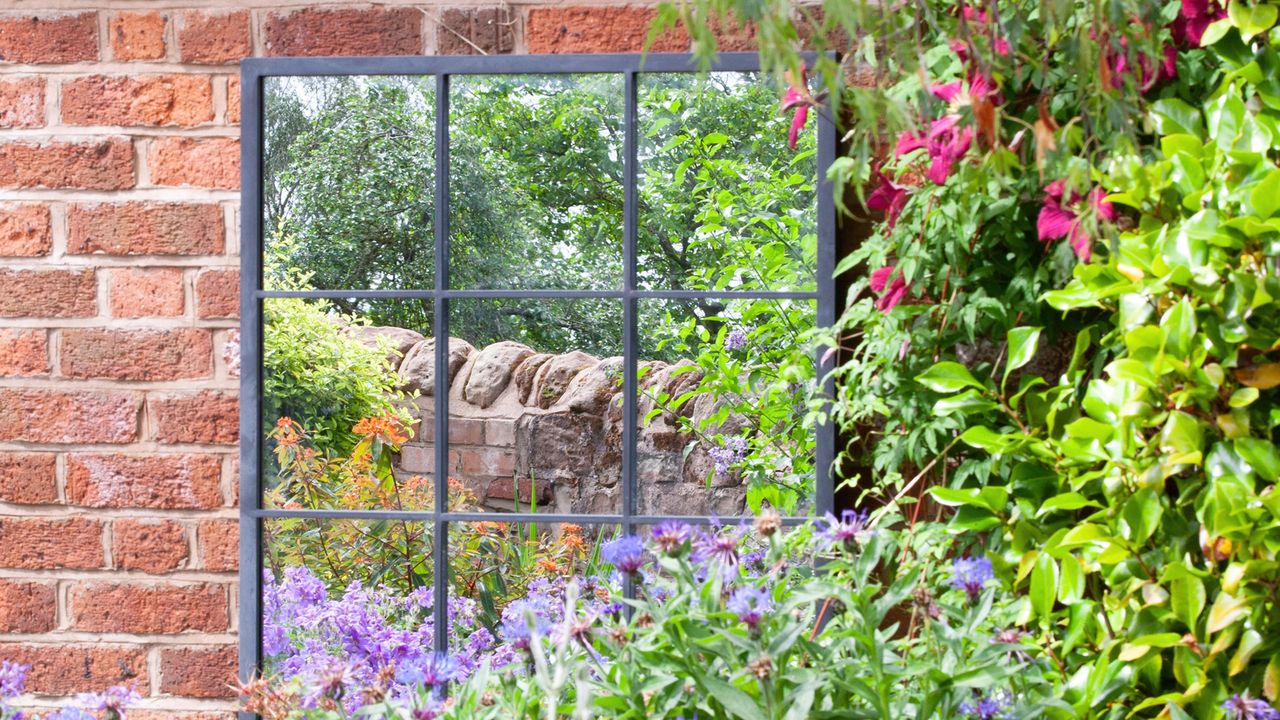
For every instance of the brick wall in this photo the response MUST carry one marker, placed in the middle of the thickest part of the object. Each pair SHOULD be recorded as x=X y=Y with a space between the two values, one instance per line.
x=119 y=169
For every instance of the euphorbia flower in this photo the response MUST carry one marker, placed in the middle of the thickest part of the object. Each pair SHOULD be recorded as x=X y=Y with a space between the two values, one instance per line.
x=797 y=99
x=1059 y=219
x=891 y=291
x=888 y=197
x=946 y=145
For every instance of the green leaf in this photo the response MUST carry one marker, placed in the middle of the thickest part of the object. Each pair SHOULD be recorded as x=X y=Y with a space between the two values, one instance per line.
x=969 y=401
x=1141 y=515
x=1265 y=196
x=1071 y=582
x=993 y=498
x=1243 y=397
x=1044 y=585
x=1249 y=643
x=1187 y=598
x=738 y=703
x=1215 y=32
x=1022 y=347
x=948 y=377
x=1251 y=20
x=1261 y=455
x=1065 y=501
x=1179 y=325
x=1172 y=116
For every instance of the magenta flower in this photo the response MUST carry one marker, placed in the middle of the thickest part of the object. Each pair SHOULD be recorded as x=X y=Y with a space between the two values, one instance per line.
x=976 y=86
x=798 y=100
x=1148 y=73
x=1195 y=17
x=1060 y=219
x=980 y=17
x=891 y=286
x=888 y=197
x=945 y=143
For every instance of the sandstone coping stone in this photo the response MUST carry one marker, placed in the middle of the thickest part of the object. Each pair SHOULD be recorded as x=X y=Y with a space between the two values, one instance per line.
x=491 y=371
x=418 y=371
x=399 y=340
x=553 y=378
x=525 y=374
x=591 y=389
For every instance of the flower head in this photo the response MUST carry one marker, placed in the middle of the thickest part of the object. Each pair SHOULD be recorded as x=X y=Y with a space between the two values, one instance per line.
x=1242 y=707
x=797 y=99
x=891 y=285
x=625 y=553
x=735 y=339
x=750 y=605
x=13 y=678
x=111 y=702
x=843 y=533
x=670 y=536
x=730 y=453
x=1194 y=18
x=971 y=574
x=1059 y=217
x=945 y=142
x=719 y=548
x=888 y=197
x=986 y=708
x=434 y=671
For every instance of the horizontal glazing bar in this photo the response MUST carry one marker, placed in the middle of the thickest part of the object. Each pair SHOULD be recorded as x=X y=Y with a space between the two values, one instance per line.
x=535 y=294
x=461 y=517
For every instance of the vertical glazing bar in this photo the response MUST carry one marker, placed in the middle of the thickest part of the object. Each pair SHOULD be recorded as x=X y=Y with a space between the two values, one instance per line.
x=250 y=377
x=629 y=319
x=826 y=437
x=440 y=534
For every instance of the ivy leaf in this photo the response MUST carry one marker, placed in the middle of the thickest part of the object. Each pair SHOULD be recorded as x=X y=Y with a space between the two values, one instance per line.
x=948 y=377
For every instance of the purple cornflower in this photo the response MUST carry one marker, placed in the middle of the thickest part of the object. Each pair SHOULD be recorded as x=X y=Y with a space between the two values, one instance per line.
x=13 y=678
x=670 y=536
x=111 y=701
x=730 y=453
x=1242 y=707
x=750 y=605
x=844 y=532
x=735 y=340
x=721 y=548
x=987 y=708
x=434 y=672
x=625 y=553
x=971 y=575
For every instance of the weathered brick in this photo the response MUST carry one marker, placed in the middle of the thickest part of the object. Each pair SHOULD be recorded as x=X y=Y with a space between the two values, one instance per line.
x=28 y=478
x=147 y=292
x=22 y=102
x=42 y=543
x=167 y=609
x=214 y=38
x=483 y=30
x=25 y=230
x=488 y=463
x=137 y=35
x=48 y=293
x=65 y=669
x=49 y=39
x=105 y=164
x=146 y=100
x=466 y=431
x=176 y=354
x=583 y=29
x=24 y=352
x=144 y=481
x=500 y=433
x=233 y=101
x=207 y=417
x=52 y=416
x=206 y=162
x=218 y=293
x=27 y=607
x=152 y=546
x=373 y=31
x=198 y=672
x=138 y=228
x=219 y=544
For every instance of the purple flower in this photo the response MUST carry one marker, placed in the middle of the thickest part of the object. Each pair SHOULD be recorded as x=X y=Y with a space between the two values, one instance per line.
x=1242 y=707
x=984 y=709
x=434 y=672
x=844 y=532
x=111 y=702
x=625 y=553
x=670 y=536
x=730 y=453
x=750 y=605
x=13 y=678
x=718 y=548
x=735 y=340
x=971 y=575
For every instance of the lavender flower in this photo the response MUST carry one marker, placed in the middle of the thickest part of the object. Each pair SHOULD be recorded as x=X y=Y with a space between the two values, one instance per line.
x=971 y=575
x=843 y=533
x=670 y=536
x=730 y=453
x=13 y=678
x=736 y=339
x=1242 y=707
x=986 y=708
x=750 y=605
x=111 y=702
x=625 y=553
x=434 y=672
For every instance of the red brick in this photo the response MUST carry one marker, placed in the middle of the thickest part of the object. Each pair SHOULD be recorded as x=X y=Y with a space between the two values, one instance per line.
x=207 y=417
x=144 y=481
x=218 y=293
x=219 y=542
x=63 y=669
x=732 y=36
x=22 y=103
x=27 y=607
x=28 y=478
x=466 y=431
x=214 y=38
x=490 y=31
x=25 y=230
x=583 y=29
x=49 y=39
x=233 y=101
x=44 y=543
x=51 y=416
x=198 y=672
x=137 y=35
x=168 y=609
x=147 y=292
x=23 y=352
x=105 y=164
x=209 y=163
x=375 y=31
x=177 y=354
x=488 y=463
x=48 y=293
x=146 y=100
x=152 y=546
x=138 y=228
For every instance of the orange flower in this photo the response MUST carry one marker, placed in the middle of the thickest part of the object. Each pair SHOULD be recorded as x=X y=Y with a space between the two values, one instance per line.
x=287 y=432
x=387 y=427
x=573 y=542
x=570 y=529
x=489 y=527
x=548 y=565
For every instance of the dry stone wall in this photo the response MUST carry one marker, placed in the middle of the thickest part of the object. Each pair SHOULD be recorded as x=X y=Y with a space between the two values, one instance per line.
x=529 y=427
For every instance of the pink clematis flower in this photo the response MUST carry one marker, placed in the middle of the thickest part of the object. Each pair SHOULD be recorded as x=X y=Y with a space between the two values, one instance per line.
x=892 y=291
x=980 y=17
x=888 y=197
x=945 y=143
x=798 y=100
x=1058 y=219
x=1194 y=18
x=1148 y=75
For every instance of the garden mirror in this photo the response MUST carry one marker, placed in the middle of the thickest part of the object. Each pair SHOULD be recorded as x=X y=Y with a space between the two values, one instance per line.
x=629 y=261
